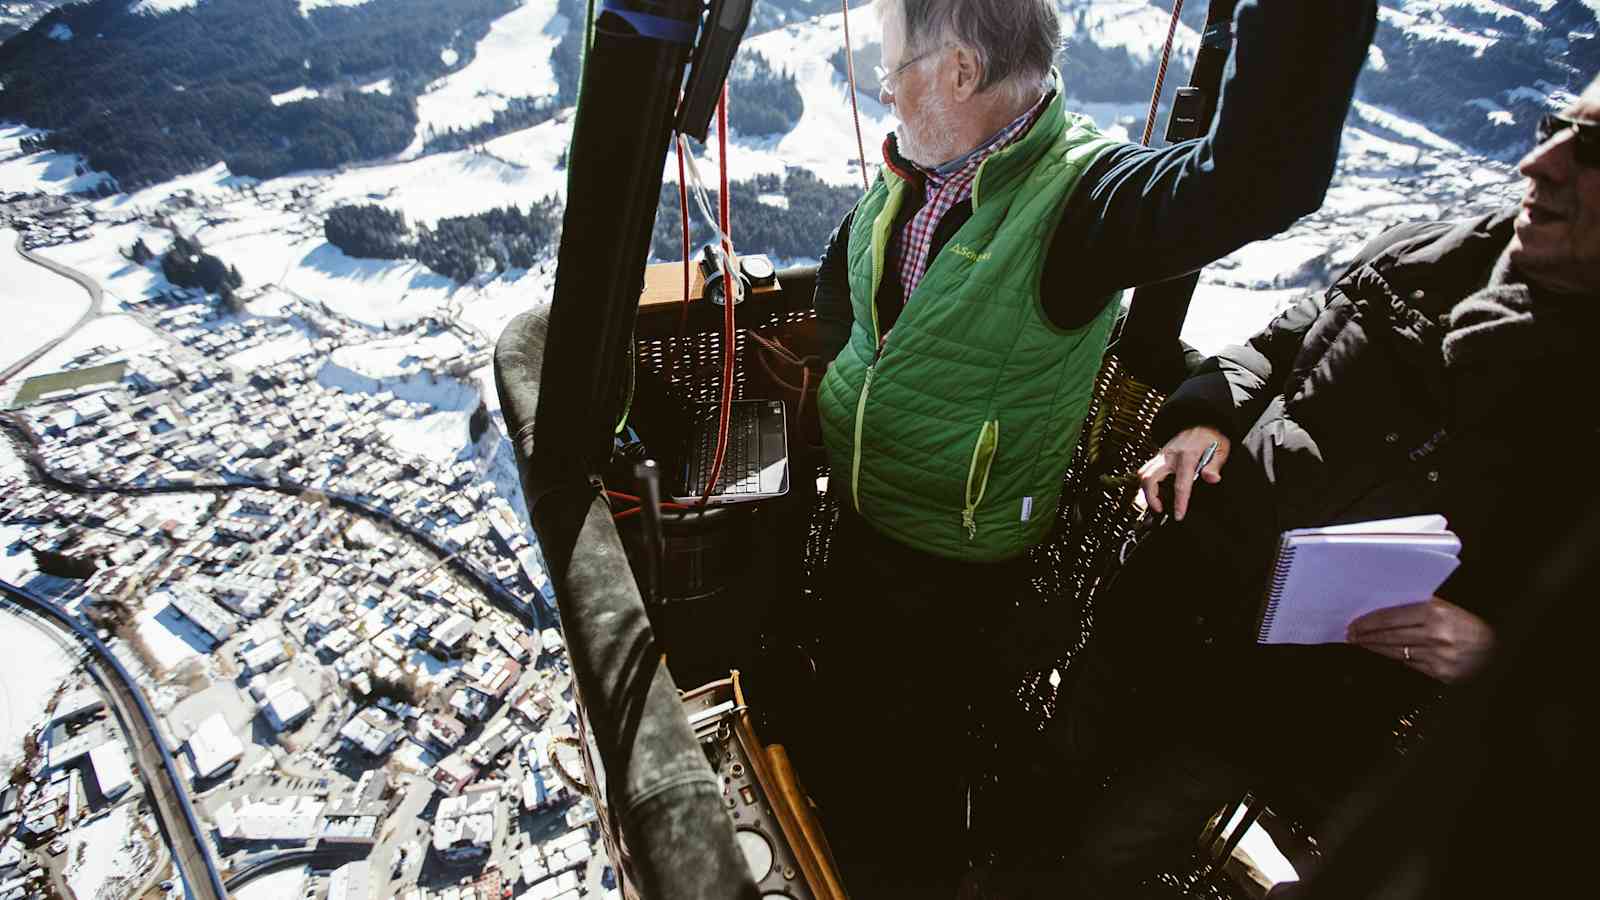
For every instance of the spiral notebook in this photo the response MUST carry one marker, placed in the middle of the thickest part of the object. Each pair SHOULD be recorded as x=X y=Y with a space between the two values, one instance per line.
x=1323 y=578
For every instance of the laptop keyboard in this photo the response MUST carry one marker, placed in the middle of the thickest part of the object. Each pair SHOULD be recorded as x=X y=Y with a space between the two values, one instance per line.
x=741 y=468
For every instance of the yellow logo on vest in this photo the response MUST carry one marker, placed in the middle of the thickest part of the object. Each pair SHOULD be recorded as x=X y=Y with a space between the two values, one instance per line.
x=968 y=253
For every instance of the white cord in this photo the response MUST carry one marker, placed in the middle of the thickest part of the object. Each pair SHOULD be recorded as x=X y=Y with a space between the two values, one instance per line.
x=703 y=201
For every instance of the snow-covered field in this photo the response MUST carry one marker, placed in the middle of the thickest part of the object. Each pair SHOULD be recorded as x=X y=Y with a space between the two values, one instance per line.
x=512 y=61
x=264 y=245
x=446 y=184
x=33 y=664
x=49 y=172
x=538 y=149
x=120 y=335
x=11 y=135
x=500 y=300
x=37 y=304
x=377 y=292
x=100 y=257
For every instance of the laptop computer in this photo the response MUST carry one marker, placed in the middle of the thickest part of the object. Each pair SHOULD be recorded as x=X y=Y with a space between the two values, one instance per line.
x=683 y=439
x=756 y=464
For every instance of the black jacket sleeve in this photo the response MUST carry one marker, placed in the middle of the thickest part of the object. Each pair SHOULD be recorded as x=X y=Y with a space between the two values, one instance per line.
x=1233 y=388
x=1143 y=215
x=832 y=298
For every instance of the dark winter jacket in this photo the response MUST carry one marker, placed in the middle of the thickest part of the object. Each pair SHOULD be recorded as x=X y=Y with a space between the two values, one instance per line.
x=1343 y=410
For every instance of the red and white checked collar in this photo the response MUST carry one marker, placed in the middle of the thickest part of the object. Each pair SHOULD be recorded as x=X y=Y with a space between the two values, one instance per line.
x=943 y=192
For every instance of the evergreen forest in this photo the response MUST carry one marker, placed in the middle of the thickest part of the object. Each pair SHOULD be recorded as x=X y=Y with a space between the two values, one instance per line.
x=759 y=224
x=148 y=98
x=460 y=248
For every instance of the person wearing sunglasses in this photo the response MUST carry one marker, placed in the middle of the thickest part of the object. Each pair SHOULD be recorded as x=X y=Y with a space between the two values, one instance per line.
x=964 y=306
x=1557 y=237
x=1443 y=373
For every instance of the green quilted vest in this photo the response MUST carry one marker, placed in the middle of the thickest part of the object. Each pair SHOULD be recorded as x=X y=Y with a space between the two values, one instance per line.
x=952 y=434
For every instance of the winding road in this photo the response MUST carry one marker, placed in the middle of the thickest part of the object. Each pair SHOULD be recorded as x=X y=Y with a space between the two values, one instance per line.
x=96 y=299
x=163 y=783
x=175 y=811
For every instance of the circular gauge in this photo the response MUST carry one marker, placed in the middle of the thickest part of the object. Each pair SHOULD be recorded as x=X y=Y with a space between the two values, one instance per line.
x=757 y=852
x=757 y=268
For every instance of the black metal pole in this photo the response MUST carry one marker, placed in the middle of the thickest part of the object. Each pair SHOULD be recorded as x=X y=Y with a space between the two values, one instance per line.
x=1149 y=344
x=619 y=141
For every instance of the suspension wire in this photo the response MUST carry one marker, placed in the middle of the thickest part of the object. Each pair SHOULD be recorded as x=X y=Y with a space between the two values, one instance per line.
x=850 y=75
x=683 y=210
x=1161 y=73
x=732 y=292
x=702 y=201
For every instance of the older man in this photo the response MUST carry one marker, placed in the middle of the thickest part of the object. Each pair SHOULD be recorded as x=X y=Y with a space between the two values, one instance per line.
x=966 y=303
x=1443 y=373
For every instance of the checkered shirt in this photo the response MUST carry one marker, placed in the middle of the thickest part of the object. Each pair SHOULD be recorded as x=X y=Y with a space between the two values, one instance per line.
x=942 y=193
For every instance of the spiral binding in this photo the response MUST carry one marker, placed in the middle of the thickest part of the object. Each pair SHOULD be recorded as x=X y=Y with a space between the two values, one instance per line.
x=1280 y=581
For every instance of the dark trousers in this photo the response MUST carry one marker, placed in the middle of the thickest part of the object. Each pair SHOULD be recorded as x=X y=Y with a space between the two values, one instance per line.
x=910 y=642
x=1174 y=699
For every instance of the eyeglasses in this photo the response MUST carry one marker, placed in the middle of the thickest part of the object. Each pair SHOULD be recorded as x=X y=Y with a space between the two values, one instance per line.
x=1585 y=140
x=886 y=77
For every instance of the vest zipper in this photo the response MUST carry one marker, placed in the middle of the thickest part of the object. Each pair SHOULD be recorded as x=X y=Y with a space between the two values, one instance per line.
x=861 y=410
x=983 y=454
x=855 y=463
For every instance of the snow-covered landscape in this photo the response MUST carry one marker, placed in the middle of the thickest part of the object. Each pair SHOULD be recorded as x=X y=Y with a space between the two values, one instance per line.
x=34 y=664
x=512 y=62
x=392 y=357
x=52 y=302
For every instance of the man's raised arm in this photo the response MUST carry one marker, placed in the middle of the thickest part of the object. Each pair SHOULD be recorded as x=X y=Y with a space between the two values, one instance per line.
x=1144 y=215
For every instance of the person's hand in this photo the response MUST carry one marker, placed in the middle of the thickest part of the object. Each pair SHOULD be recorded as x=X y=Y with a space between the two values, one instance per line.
x=1435 y=637
x=1181 y=455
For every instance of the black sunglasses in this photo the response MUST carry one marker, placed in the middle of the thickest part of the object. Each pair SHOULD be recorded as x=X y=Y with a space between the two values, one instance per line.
x=1585 y=141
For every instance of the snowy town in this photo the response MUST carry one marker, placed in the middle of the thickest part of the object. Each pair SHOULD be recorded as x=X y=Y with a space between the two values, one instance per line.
x=351 y=646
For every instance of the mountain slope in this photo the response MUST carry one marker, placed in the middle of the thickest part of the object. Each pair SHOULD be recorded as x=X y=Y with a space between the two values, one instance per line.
x=147 y=97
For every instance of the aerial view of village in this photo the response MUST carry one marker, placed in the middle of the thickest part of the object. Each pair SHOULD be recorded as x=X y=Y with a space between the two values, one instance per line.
x=349 y=649
x=333 y=632
x=311 y=632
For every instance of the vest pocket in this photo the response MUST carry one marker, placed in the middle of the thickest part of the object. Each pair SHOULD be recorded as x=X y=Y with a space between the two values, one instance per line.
x=983 y=454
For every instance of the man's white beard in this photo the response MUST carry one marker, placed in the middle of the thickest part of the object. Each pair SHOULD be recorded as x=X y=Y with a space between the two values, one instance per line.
x=935 y=143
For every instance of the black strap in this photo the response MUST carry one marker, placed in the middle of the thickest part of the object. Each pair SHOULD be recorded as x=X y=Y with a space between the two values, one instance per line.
x=1149 y=344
